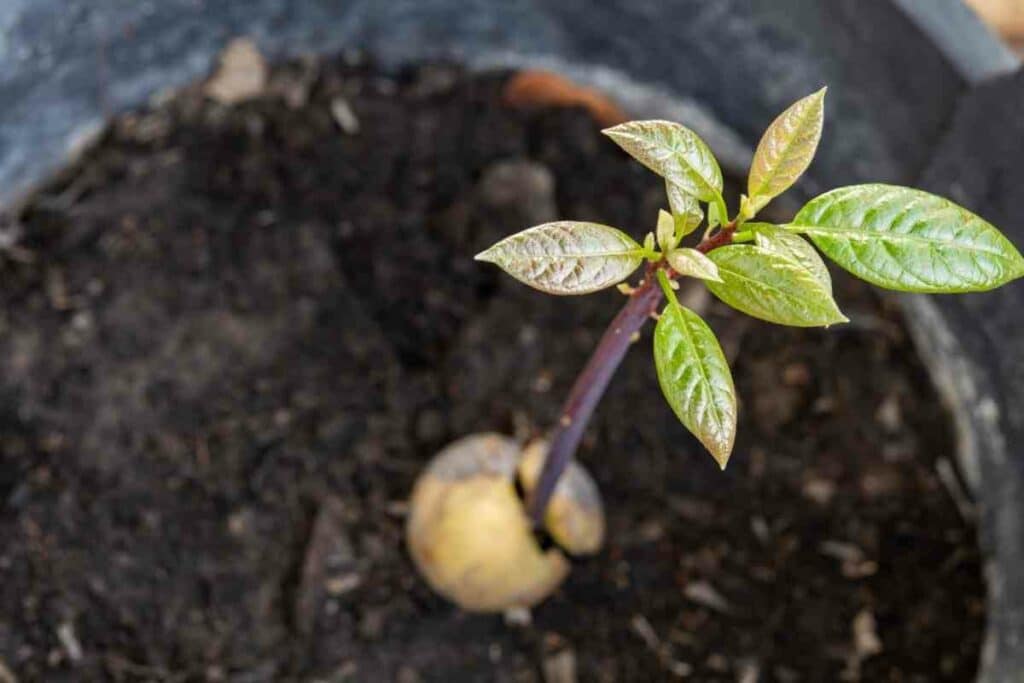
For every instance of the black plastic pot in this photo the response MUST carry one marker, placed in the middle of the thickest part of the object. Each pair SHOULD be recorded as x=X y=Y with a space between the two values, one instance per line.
x=920 y=94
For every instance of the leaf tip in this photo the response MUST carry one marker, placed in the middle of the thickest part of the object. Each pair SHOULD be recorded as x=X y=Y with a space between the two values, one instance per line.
x=720 y=446
x=612 y=131
x=1019 y=263
x=840 y=319
x=722 y=457
x=485 y=256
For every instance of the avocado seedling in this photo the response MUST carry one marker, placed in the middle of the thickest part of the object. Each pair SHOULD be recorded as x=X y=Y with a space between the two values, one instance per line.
x=894 y=237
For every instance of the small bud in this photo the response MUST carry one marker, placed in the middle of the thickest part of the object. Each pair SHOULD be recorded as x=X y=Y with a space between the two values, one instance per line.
x=666 y=231
x=649 y=241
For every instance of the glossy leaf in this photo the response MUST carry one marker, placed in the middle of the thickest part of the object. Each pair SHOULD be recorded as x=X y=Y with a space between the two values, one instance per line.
x=785 y=150
x=567 y=257
x=908 y=240
x=772 y=286
x=714 y=216
x=692 y=263
x=788 y=244
x=666 y=231
x=685 y=210
x=673 y=151
x=695 y=378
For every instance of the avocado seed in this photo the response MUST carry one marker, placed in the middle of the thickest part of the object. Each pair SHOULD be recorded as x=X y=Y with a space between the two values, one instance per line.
x=469 y=534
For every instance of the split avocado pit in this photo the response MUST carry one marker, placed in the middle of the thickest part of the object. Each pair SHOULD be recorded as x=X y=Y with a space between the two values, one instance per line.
x=469 y=534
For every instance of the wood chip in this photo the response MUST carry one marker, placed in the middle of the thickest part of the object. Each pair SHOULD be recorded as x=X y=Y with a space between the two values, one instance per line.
x=865 y=636
x=642 y=627
x=518 y=616
x=69 y=641
x=819 y=490
x=560 y=667
x=854 y=564
x=847 y=552
x=242 y=74
x=865 y=643
x=345 y=583
x=343 y=115
x=329 y=566
x=705 y=595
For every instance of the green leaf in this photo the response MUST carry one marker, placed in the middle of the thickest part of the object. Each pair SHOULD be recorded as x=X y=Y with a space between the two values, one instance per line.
x=773 y=238
x=673 y=151
x=666 y=231
x=714 y=216
x=685 y=210
x=772 y=286
x=567 y=257
x=695 y=378
x=785 y=150
x=908 y=240
x=694 y=264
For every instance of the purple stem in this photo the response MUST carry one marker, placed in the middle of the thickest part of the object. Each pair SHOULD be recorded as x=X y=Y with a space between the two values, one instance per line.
x=589 y=388
x=592 y=382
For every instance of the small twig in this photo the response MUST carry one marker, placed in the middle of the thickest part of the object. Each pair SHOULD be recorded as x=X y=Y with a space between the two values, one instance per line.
x=642 y=627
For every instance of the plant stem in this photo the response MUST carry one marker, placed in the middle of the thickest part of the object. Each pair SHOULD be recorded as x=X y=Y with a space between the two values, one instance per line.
x=721 y=238
x=591 y=383
x=666 y=288
x=588 y=389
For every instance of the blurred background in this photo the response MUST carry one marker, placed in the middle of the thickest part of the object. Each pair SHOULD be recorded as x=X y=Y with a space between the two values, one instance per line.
x=1005 y=17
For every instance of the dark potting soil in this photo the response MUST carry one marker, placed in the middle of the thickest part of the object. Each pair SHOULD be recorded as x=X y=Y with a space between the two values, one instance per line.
x=232 y=336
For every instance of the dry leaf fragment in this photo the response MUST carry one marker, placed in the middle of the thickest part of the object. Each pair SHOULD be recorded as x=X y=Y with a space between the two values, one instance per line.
x=536 y=88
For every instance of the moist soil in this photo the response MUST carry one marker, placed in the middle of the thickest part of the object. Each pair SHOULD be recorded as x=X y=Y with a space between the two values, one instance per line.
x=232 y=335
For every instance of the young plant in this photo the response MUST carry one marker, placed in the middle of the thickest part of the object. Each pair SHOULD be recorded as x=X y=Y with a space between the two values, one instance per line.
x=894 y=237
